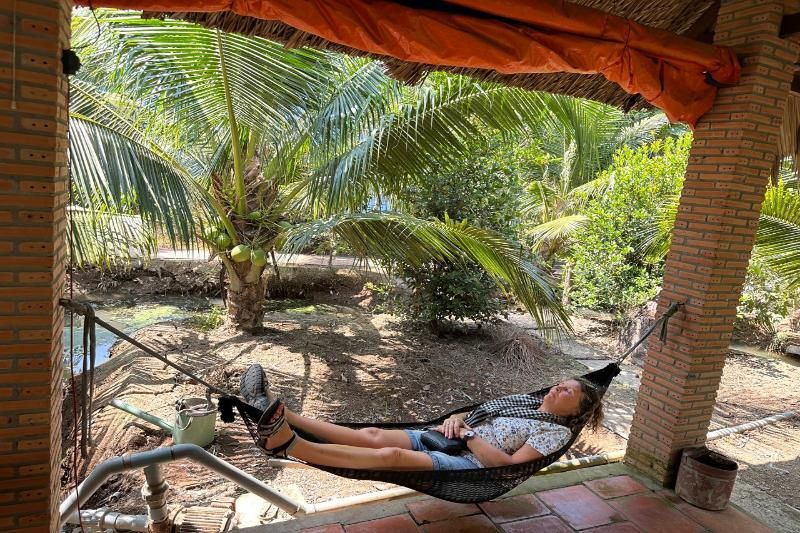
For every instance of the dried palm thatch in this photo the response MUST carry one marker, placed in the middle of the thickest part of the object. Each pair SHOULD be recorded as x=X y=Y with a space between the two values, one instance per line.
x=678 y=16
x=519 y=349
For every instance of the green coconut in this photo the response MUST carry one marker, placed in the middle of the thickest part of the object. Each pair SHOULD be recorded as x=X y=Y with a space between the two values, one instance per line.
x=223 y=241
x=240 y=253
x=258 y=257
x=210 y=234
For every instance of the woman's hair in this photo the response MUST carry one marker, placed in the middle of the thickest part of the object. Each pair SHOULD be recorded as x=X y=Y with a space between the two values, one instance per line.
x=590 y=403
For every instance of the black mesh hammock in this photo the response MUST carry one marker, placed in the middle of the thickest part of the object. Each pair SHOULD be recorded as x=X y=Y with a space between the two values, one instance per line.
x=462 y=486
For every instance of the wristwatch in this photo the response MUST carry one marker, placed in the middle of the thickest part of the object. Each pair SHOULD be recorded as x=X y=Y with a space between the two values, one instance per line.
x=468 y=436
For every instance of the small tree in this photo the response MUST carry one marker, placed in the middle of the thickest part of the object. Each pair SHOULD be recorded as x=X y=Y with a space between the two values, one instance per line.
x=609 y=273
x=484 y=190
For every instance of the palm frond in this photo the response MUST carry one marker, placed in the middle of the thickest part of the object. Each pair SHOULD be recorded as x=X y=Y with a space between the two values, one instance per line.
x=778 y=236
x=106 y=239
x=557 y=230
x=396 y=237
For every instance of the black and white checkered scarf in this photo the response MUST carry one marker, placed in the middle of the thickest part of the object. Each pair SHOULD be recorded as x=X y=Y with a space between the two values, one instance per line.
x=515 y=406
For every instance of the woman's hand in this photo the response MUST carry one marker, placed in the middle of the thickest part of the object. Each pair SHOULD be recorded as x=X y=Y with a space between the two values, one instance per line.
x=451 y=427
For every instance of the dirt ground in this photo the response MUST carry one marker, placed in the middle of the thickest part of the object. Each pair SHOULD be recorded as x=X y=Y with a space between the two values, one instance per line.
x=331 y=357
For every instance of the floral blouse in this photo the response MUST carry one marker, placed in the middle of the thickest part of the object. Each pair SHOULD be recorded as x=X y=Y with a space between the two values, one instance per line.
x=511 y=434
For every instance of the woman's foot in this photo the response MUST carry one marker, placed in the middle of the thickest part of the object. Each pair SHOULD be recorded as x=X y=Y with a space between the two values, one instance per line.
x=254 y=387
x=275 y=435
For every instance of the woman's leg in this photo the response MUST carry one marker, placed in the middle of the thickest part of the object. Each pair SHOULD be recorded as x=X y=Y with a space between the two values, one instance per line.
x=340 y=455
x=364 y=438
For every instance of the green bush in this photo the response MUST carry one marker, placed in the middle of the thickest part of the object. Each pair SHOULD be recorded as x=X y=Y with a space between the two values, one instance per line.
x=765 y=300
x=608 y=271
x=446 y=292
x=485 y=189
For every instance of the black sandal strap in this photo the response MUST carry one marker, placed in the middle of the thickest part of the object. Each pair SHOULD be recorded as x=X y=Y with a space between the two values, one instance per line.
x=266 y=428
x=282 y=450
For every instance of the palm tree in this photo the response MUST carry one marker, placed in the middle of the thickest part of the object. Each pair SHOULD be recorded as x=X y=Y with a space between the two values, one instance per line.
x=231 y=140
x=579 y=138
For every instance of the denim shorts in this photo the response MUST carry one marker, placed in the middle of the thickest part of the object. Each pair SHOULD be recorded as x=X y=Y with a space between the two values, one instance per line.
x=441 y=461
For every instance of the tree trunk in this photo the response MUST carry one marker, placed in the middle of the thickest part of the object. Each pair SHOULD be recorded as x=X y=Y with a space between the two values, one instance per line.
x=567 y=285
x=246 y=295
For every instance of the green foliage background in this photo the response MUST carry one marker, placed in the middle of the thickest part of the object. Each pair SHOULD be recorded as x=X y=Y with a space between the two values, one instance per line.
x=486 y=190
x=608 y=271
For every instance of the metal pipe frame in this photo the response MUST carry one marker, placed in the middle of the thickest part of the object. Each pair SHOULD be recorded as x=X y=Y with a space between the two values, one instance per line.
x=180 y=452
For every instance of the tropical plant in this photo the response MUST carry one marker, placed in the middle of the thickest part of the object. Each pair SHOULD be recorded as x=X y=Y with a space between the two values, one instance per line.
x=246 y=145
x=608 y=272
x=773 y=276
x=579 y=139
x=485 y=189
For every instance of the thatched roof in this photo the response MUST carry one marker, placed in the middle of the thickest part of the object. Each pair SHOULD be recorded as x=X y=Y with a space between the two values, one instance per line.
x=685 y=17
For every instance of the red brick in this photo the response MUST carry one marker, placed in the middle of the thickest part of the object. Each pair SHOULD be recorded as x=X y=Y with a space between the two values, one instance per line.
x=401 y=523
x=620 y=527
x=514 y=508
x=654 y=514
x=433 y=510
x=544 y=524
x=579 y=507
x=466 y=524
x=615 y=487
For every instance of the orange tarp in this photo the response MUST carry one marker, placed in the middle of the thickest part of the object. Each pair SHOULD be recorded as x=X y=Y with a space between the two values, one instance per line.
x=509 y=36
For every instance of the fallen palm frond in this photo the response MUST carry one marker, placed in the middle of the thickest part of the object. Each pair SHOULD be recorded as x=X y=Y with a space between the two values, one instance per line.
x=519 y=349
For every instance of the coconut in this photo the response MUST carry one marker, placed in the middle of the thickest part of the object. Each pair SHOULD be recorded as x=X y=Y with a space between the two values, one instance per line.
x=258 y=257
x=223 y=241
x=240 y=253
x=210 y=234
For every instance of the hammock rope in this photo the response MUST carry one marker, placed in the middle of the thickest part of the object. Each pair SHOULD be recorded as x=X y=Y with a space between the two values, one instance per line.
x=461 y=486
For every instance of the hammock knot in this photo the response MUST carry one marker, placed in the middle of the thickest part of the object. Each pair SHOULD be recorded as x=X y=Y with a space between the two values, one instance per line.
x=225 y=404
x=80 y=308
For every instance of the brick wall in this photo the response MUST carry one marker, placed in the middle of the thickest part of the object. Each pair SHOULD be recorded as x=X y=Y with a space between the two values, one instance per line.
x=730 y=165
x=33 y=127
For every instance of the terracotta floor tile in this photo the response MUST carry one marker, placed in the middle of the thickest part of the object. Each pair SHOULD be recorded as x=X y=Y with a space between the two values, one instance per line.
x=515 y=508
x=466 y=524
x=331 y=528
x=619 y=527
x=434 y=510
x=579 y=507
x=725 y=521
x=543 y=524
x=400 y=523
x=615 y=487
x=654 y=514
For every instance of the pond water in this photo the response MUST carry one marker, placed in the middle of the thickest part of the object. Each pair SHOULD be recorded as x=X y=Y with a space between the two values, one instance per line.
x=130 y=315
x=766 y=354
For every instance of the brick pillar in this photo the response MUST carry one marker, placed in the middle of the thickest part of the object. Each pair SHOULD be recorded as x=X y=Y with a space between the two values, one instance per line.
x=33 y=128
x=730 y=165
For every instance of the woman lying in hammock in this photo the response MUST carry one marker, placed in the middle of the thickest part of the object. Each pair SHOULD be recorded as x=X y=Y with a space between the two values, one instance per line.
x=497 y=441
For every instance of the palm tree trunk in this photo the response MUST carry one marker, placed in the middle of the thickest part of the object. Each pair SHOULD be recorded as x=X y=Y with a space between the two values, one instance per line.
x=246 y=294
x=567 y=284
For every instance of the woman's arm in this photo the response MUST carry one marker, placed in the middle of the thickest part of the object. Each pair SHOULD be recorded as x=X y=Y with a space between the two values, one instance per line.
x=490 y=456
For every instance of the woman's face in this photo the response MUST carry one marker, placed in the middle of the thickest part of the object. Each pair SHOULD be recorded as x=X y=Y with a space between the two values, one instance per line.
x=565 y=398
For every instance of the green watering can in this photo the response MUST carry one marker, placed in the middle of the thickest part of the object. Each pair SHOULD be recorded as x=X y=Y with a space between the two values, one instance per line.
x=195 y=419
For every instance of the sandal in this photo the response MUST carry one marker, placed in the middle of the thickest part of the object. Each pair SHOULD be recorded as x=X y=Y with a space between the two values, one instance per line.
x=271 y=422
x=253 y=386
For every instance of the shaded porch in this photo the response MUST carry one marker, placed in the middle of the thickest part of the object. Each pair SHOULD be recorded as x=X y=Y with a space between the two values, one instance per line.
x=603 y=499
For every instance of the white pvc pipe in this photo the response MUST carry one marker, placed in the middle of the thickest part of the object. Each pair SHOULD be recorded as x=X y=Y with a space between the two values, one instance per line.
x=104 y=519
x=191 y=452
x=724 y=432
